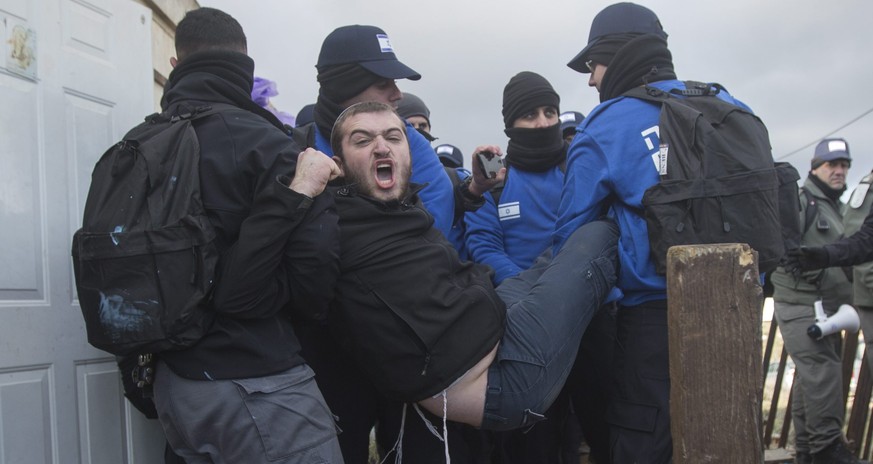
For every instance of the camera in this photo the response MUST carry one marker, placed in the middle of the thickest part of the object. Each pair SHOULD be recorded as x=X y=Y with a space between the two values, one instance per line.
x=490 y=163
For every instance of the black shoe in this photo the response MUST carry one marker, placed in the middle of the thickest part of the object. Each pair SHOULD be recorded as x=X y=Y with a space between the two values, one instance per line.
x=835 y=453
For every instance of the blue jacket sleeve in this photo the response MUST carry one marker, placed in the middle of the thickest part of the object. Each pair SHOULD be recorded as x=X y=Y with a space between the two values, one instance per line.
x=438 y=194
x=485 y=241
x=586 y=187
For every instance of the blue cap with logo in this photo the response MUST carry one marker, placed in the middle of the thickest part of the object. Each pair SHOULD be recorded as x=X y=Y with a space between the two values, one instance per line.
x=367 y=46
x=450 y=155
x=830 y=150
x=569 y=121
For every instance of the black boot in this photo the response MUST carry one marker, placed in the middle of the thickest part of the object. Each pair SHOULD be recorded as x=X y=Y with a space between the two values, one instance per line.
x=835 y=453
x=802 y=457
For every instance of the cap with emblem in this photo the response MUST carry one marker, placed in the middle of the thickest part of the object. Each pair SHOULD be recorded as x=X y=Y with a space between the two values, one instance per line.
x=367 y=46
x=450 y=155
x=569 y=121
x=830 y=150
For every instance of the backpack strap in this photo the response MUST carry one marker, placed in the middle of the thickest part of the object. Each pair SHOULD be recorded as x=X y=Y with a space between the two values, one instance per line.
x=698 y=89
x=692 y=89
x=811 y=210
x=453 y=176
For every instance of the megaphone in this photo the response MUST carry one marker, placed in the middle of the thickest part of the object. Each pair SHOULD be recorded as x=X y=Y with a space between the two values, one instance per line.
x=846 y=318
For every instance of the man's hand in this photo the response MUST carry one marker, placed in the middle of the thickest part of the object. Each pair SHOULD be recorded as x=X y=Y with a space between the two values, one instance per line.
x=314 y=171
x=481 y=183
x=805 y=259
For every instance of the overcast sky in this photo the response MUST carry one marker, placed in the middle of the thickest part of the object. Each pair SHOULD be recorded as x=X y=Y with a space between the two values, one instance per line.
x=804 y=66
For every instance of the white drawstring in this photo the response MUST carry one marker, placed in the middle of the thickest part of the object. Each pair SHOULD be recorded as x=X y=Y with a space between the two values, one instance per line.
x=398 y=445
x=433 y=430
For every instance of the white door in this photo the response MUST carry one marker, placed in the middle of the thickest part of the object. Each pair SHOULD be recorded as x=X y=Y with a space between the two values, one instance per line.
x=74 y=76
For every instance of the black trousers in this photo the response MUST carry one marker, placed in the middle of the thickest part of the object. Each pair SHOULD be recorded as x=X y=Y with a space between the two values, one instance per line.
x=359 y=407
x=639 y=410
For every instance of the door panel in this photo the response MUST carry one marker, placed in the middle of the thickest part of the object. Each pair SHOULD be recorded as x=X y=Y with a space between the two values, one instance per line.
x=91 y=80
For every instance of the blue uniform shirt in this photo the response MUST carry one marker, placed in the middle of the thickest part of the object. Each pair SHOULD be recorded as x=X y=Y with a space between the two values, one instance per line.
x=508 y=237
x=611 y=162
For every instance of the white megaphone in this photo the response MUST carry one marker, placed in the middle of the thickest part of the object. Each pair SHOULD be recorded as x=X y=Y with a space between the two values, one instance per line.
x=846 y=318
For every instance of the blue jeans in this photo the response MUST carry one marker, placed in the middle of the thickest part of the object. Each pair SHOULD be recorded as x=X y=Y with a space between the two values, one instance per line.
x=548 y=308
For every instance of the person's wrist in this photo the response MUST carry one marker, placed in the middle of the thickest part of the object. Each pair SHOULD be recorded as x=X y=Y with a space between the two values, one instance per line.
x=469 y=190
x=304 y=187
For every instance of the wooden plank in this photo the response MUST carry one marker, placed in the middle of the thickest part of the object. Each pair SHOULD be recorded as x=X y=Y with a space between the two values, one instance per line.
x=857 y=421
x=714 y=318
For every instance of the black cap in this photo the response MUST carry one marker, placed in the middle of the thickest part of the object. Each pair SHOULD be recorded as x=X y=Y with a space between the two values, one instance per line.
x=569 y=121
x=450 y=155
x=367 y=46
x=619 y=18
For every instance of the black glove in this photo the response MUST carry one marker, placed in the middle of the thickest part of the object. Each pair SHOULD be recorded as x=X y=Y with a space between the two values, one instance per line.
x=806 y=259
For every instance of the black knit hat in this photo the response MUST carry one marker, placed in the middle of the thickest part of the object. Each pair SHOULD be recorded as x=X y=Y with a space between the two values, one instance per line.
x=410 y=105
x=525 y=92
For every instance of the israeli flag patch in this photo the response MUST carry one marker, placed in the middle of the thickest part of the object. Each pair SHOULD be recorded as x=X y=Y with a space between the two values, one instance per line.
x=508 y=211
x=384 y=43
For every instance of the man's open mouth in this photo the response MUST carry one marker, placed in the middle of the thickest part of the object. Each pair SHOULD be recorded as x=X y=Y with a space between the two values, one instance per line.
x=385 y=174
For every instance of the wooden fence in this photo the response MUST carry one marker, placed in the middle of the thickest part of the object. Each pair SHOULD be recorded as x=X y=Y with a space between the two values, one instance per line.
x=857 y=386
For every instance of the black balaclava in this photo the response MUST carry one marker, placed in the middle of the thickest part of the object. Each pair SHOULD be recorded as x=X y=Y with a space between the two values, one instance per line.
x=338 y=84
x=538 y=149
x=642 y=59
x=228 y=73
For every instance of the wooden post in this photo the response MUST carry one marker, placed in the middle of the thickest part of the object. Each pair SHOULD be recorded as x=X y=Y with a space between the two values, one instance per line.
x=714 y=319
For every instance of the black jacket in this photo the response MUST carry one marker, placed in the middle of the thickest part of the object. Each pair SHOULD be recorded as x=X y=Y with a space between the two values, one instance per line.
x=413 y=316
x=279 y=253
x=854 y=249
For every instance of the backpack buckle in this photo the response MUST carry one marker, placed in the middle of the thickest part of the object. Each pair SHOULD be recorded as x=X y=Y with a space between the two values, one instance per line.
x=144 y=373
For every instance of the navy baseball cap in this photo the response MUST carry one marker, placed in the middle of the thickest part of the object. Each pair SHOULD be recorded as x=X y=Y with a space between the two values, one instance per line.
x=619 y=18
x=569 y=121
x=367 y=46
x=450 y=155
x=305 y=116
x=830 y=150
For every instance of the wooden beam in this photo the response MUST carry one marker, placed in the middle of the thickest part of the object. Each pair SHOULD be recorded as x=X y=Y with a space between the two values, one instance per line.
x=714 y=316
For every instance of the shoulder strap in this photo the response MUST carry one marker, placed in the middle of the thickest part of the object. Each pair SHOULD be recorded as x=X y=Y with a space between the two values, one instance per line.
x=453 y=176
x=811 y=210
x=304 y=136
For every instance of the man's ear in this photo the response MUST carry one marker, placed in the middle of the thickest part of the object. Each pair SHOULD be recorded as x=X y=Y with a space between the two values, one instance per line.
x=173 y=61
x=339 y=163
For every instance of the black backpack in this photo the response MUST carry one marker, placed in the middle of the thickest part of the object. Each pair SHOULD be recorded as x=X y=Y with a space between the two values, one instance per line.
x=718 y=180
x=145 y=259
